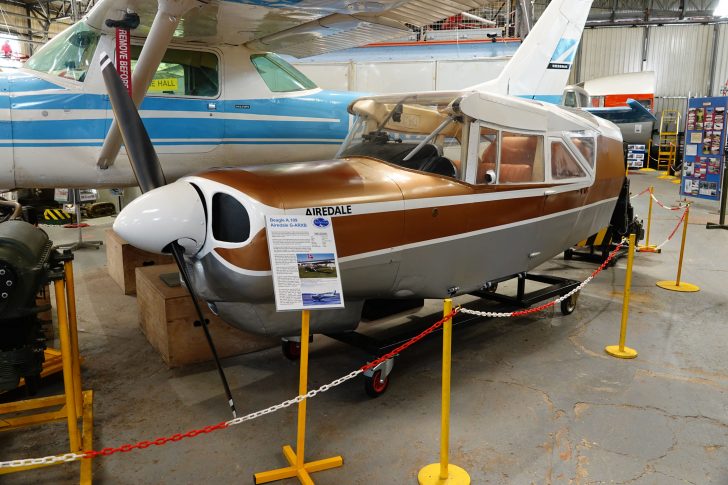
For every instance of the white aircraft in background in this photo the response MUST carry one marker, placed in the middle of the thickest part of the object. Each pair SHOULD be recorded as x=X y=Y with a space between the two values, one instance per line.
x=215 y=95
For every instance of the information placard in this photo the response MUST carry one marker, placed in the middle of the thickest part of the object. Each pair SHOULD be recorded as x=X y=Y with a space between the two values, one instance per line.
x=303 y=258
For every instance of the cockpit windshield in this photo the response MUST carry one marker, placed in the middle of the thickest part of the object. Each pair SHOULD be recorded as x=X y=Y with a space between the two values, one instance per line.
x=411 y=133
x=68 y=54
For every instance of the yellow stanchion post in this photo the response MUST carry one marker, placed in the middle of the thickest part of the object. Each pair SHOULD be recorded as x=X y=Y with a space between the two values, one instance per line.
x=74 y=437
x=622 y=351
x=647 y=247
x=73 y=332
x=647 y=158
x=678 y=285
x=444 y=472
x=298 y=467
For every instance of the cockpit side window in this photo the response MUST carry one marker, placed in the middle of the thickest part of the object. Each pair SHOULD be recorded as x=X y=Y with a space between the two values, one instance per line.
x=184 y=73
x=280 y=76
x=68 y=54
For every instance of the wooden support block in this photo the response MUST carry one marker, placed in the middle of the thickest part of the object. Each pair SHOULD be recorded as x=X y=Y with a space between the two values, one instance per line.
x=122 y=259
x=166 y=316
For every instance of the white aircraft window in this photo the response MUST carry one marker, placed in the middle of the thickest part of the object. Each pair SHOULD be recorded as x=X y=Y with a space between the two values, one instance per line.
x=585 y=145
x=563 y=163
x=570 y=99
x=487 y=154
x=68 y=54
x=184 y=73
x=522 y=158
x=280 y=76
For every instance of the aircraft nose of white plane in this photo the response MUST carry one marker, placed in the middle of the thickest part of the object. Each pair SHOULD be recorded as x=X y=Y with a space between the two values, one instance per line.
x=170 y=213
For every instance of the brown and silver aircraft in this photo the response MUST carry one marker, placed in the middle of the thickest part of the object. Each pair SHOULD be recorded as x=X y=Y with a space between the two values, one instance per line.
x=432 y=195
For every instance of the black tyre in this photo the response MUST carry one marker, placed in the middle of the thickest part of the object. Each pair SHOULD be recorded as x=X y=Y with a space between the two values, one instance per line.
x=375 y=386
x=569 y=305
x=291 y=349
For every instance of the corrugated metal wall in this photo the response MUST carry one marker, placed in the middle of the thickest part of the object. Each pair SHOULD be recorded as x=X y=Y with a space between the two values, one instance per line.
x=680 y=55
x=720 y=79
x=609 y=51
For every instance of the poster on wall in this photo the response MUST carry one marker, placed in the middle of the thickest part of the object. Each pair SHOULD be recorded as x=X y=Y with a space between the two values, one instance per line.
x=303 y=258
x=705 y=137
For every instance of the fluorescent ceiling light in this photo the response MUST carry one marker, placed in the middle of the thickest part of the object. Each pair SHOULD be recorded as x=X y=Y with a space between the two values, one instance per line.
x=721 y=10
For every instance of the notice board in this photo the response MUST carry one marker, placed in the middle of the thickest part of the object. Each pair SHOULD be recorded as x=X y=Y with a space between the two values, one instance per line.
x=705 y=137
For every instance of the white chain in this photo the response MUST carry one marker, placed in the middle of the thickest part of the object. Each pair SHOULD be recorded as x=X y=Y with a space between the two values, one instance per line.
x=69 y=457
x=556 y=302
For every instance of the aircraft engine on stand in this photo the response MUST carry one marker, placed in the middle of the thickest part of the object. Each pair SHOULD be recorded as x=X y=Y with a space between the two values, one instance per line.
x=25 y=266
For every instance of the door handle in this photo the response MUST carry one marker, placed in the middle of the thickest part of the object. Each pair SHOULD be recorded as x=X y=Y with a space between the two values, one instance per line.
x=549 y=192
x=211 y=106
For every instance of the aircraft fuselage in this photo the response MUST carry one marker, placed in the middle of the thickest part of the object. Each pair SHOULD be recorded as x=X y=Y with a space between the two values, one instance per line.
x=54 y=123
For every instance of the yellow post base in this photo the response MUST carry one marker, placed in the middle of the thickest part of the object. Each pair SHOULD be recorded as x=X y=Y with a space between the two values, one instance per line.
x=647 y=169
x=303 y=473
x=648 y=248
x=430 y=475
x=673 y=286
x=677 y=181
x=625 y=353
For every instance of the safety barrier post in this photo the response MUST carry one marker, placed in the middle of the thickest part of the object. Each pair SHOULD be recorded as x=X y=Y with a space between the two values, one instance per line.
x=678 y=285
x=647 y=247
x=444 y=472
x=298 y=467
x=621 y=351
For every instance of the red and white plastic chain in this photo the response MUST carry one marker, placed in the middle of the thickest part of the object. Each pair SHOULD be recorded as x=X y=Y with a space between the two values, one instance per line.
x=69 y=457
x=641 y=193
x=672 y=234
x=670 y=208
x=558 y=300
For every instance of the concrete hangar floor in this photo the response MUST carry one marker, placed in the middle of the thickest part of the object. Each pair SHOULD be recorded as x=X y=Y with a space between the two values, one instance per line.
x=534 y=399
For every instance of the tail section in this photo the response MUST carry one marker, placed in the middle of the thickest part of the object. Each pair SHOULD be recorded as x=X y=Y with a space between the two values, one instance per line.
x=540 y=68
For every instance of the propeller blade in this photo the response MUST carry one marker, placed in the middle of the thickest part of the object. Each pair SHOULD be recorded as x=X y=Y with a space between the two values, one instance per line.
x=139 y=148
x=178 y=253
x=149 y=175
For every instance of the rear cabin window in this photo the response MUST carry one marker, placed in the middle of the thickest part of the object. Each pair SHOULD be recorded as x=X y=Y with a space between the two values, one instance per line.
x=280 y=76
x=184 y=73
x=586 y=146
x=563 y=163
x=521 y=159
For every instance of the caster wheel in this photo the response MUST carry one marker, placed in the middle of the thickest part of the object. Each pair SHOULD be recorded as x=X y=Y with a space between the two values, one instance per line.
x=492 y=288
x=291 y=349
x=568 y=254
x=568 y=305
x=375 y=386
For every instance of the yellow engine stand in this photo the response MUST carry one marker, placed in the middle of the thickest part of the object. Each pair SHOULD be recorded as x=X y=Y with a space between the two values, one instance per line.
x=74 y=403
x=678 y=285
x=444 y=472
x=298 y=467
x=621 y=351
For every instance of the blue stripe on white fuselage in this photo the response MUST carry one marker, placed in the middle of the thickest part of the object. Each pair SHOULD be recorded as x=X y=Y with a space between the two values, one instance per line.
x=67 y=119
x=546 y=98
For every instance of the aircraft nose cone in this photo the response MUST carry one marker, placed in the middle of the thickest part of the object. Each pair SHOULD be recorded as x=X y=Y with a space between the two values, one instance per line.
x=170 y=213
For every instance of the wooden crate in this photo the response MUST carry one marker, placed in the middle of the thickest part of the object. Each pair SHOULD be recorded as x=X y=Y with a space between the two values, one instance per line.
x=166 y=316
x=122 y=259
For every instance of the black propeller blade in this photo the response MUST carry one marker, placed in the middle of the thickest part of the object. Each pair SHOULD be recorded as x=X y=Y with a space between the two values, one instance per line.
x=149 y=175
x=143 y=157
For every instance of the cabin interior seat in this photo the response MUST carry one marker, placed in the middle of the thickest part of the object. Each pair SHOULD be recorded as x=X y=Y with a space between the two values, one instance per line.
x=514 y=151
